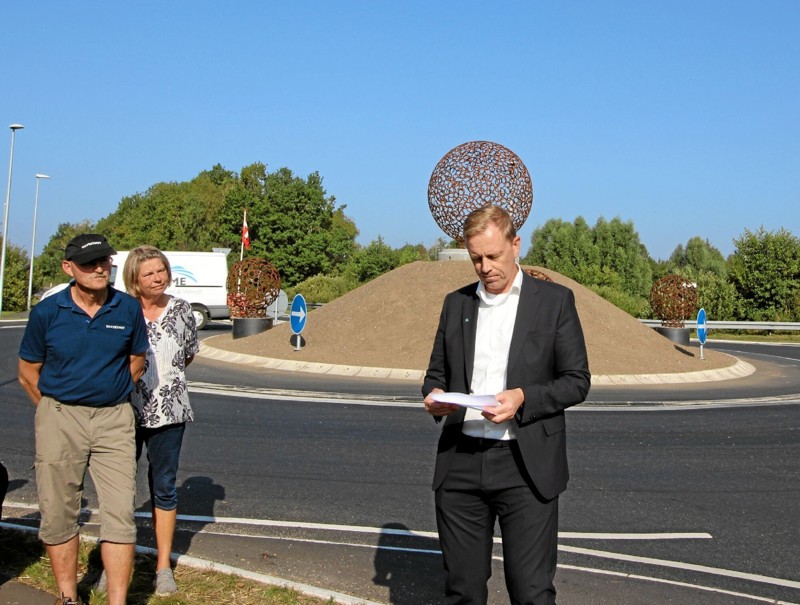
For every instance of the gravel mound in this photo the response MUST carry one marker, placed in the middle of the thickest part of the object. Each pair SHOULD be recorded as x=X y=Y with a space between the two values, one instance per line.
x=390 y=322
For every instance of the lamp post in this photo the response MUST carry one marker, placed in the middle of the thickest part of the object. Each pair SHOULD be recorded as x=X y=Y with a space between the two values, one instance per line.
x=14 y=128
x=39 y=177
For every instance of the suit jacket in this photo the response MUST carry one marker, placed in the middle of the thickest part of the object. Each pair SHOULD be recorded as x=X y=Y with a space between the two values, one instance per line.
x=547 y=359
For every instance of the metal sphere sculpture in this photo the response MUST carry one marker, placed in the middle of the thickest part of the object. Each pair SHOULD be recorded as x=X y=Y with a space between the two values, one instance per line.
x=253 y=284
x=477 y=174
x=673 y=299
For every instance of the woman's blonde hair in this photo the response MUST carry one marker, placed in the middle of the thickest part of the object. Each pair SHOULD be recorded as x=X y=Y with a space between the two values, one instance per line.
x=130 y=273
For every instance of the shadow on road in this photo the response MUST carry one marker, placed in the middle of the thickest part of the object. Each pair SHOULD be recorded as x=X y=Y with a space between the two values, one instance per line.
x=196 y=498
x=411 y=579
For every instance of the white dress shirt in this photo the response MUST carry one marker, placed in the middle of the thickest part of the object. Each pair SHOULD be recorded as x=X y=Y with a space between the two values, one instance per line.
x=496 y=316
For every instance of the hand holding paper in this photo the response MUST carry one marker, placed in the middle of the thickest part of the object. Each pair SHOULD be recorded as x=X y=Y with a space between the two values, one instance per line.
x=476 y=402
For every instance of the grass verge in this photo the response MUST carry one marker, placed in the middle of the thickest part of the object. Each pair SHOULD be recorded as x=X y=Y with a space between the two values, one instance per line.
x=750 y=336
x=23 y=558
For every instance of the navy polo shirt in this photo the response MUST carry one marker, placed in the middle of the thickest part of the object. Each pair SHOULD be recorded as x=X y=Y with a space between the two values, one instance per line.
x=86 y=359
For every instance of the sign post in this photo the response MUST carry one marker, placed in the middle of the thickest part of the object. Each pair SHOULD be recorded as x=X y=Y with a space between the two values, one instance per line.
x=702 y=332
x=297 y=318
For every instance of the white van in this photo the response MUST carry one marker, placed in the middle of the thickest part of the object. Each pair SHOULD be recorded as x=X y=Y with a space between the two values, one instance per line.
x=197 y=277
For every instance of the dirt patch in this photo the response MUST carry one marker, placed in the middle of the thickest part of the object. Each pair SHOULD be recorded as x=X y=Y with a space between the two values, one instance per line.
x=390 y=322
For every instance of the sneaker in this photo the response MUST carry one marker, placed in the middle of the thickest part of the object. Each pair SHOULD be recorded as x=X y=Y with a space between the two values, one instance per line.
x=165 y=583
x=62 y=600
x=101 y=586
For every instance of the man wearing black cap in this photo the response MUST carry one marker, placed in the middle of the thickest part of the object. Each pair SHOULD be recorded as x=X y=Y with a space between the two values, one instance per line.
x=82 y=351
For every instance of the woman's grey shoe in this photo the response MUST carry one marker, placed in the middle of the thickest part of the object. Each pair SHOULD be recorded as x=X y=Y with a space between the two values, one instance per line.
x=165 y=583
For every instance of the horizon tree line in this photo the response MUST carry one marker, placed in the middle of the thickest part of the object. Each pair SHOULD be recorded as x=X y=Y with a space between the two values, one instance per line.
x=302 y=230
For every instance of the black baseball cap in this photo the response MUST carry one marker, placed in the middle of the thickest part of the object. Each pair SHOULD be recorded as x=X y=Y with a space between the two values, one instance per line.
x=87 y=247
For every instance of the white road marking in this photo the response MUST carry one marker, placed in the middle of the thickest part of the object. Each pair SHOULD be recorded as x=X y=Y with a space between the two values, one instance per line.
x=422 y=551
x=611 y=406
x=729 y=573
x=674 y=583
x=426 y=534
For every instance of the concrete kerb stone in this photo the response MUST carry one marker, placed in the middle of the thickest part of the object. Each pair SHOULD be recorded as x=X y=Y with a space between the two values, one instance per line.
x=738 y=370
x=306 y=366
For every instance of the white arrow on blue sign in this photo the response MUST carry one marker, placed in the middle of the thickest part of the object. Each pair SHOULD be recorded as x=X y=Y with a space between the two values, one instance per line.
x=702 y=333
x=297 y=316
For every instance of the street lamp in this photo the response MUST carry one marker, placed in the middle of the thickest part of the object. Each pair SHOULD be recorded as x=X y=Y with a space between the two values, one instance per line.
x=33 y=237
x=14 y=128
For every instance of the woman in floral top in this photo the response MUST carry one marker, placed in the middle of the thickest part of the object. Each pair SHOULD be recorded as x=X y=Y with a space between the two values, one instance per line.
x=161 y=399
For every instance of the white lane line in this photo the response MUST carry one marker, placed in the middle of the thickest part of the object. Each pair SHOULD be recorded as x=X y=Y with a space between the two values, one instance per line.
x=401 y=532
x=611 y=406
x=674 y=583
x=315 y=398
x=575 y=535
x=569 y=535
x=422 y=551
x=430 y=534
x=729 y=573
x=390 y=531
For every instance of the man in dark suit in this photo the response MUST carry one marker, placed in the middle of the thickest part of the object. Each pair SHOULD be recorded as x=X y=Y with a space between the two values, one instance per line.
x=519 y=339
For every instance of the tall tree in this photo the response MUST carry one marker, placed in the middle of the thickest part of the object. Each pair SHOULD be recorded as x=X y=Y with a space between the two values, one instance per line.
x=622 y=253
x=47 y=267
x=765 y=270
x=567 y=248
x=15 y=279
x=373 y=260
x=292 y=222
x=171 y=216
x=606 y=255
x=698 y=257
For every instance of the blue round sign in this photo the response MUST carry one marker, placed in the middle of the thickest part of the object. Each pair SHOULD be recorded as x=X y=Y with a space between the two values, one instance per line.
x=297 y=316
x=701 y=326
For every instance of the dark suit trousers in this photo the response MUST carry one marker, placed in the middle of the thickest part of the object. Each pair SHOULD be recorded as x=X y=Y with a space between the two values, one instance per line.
x=484 y=483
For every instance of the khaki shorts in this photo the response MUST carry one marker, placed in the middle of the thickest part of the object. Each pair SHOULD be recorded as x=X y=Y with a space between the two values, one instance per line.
x=70 y=437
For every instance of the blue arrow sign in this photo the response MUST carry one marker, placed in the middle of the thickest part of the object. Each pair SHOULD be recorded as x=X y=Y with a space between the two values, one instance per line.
x=701 y=326
x=297 y=316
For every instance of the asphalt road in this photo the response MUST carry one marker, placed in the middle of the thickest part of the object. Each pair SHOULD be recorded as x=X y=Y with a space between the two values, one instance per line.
x=672 y=499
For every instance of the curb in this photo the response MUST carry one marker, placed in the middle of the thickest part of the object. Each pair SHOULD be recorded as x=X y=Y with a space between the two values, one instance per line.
x=203 y=564
x=740 y=369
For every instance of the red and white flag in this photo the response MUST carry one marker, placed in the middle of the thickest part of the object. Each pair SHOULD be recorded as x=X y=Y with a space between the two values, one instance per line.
x=245 y=231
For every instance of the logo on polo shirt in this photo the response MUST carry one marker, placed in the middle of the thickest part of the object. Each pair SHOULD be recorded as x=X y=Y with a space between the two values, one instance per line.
x=113 y=327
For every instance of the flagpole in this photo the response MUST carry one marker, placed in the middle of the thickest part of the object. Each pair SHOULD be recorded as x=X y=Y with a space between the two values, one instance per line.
x=244 y=222
x=241 y=254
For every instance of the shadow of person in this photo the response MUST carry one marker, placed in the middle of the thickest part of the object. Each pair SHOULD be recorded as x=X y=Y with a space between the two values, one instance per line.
x=412 y=572
x=15 y=484
x=8 y=485
x=3 y=486
x=196 y=499
x=18 y=550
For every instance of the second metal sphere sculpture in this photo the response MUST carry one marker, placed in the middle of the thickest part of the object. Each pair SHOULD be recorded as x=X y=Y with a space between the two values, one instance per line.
x=253 y=284
x=673 y=299
x=477 y=174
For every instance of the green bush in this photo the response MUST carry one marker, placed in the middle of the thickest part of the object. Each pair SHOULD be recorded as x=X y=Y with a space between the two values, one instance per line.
x=322 y=288
x=634 y=305
x=717 y=296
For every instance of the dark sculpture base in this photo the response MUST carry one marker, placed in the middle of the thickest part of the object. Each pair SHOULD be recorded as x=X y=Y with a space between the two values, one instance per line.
x=250 y=326
x=677 y=335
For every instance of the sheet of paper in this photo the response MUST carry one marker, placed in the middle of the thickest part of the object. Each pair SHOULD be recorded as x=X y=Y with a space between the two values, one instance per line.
x=477 y=402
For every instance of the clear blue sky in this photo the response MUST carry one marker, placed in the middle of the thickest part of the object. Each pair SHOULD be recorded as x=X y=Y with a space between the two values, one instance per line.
x=682 y=117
